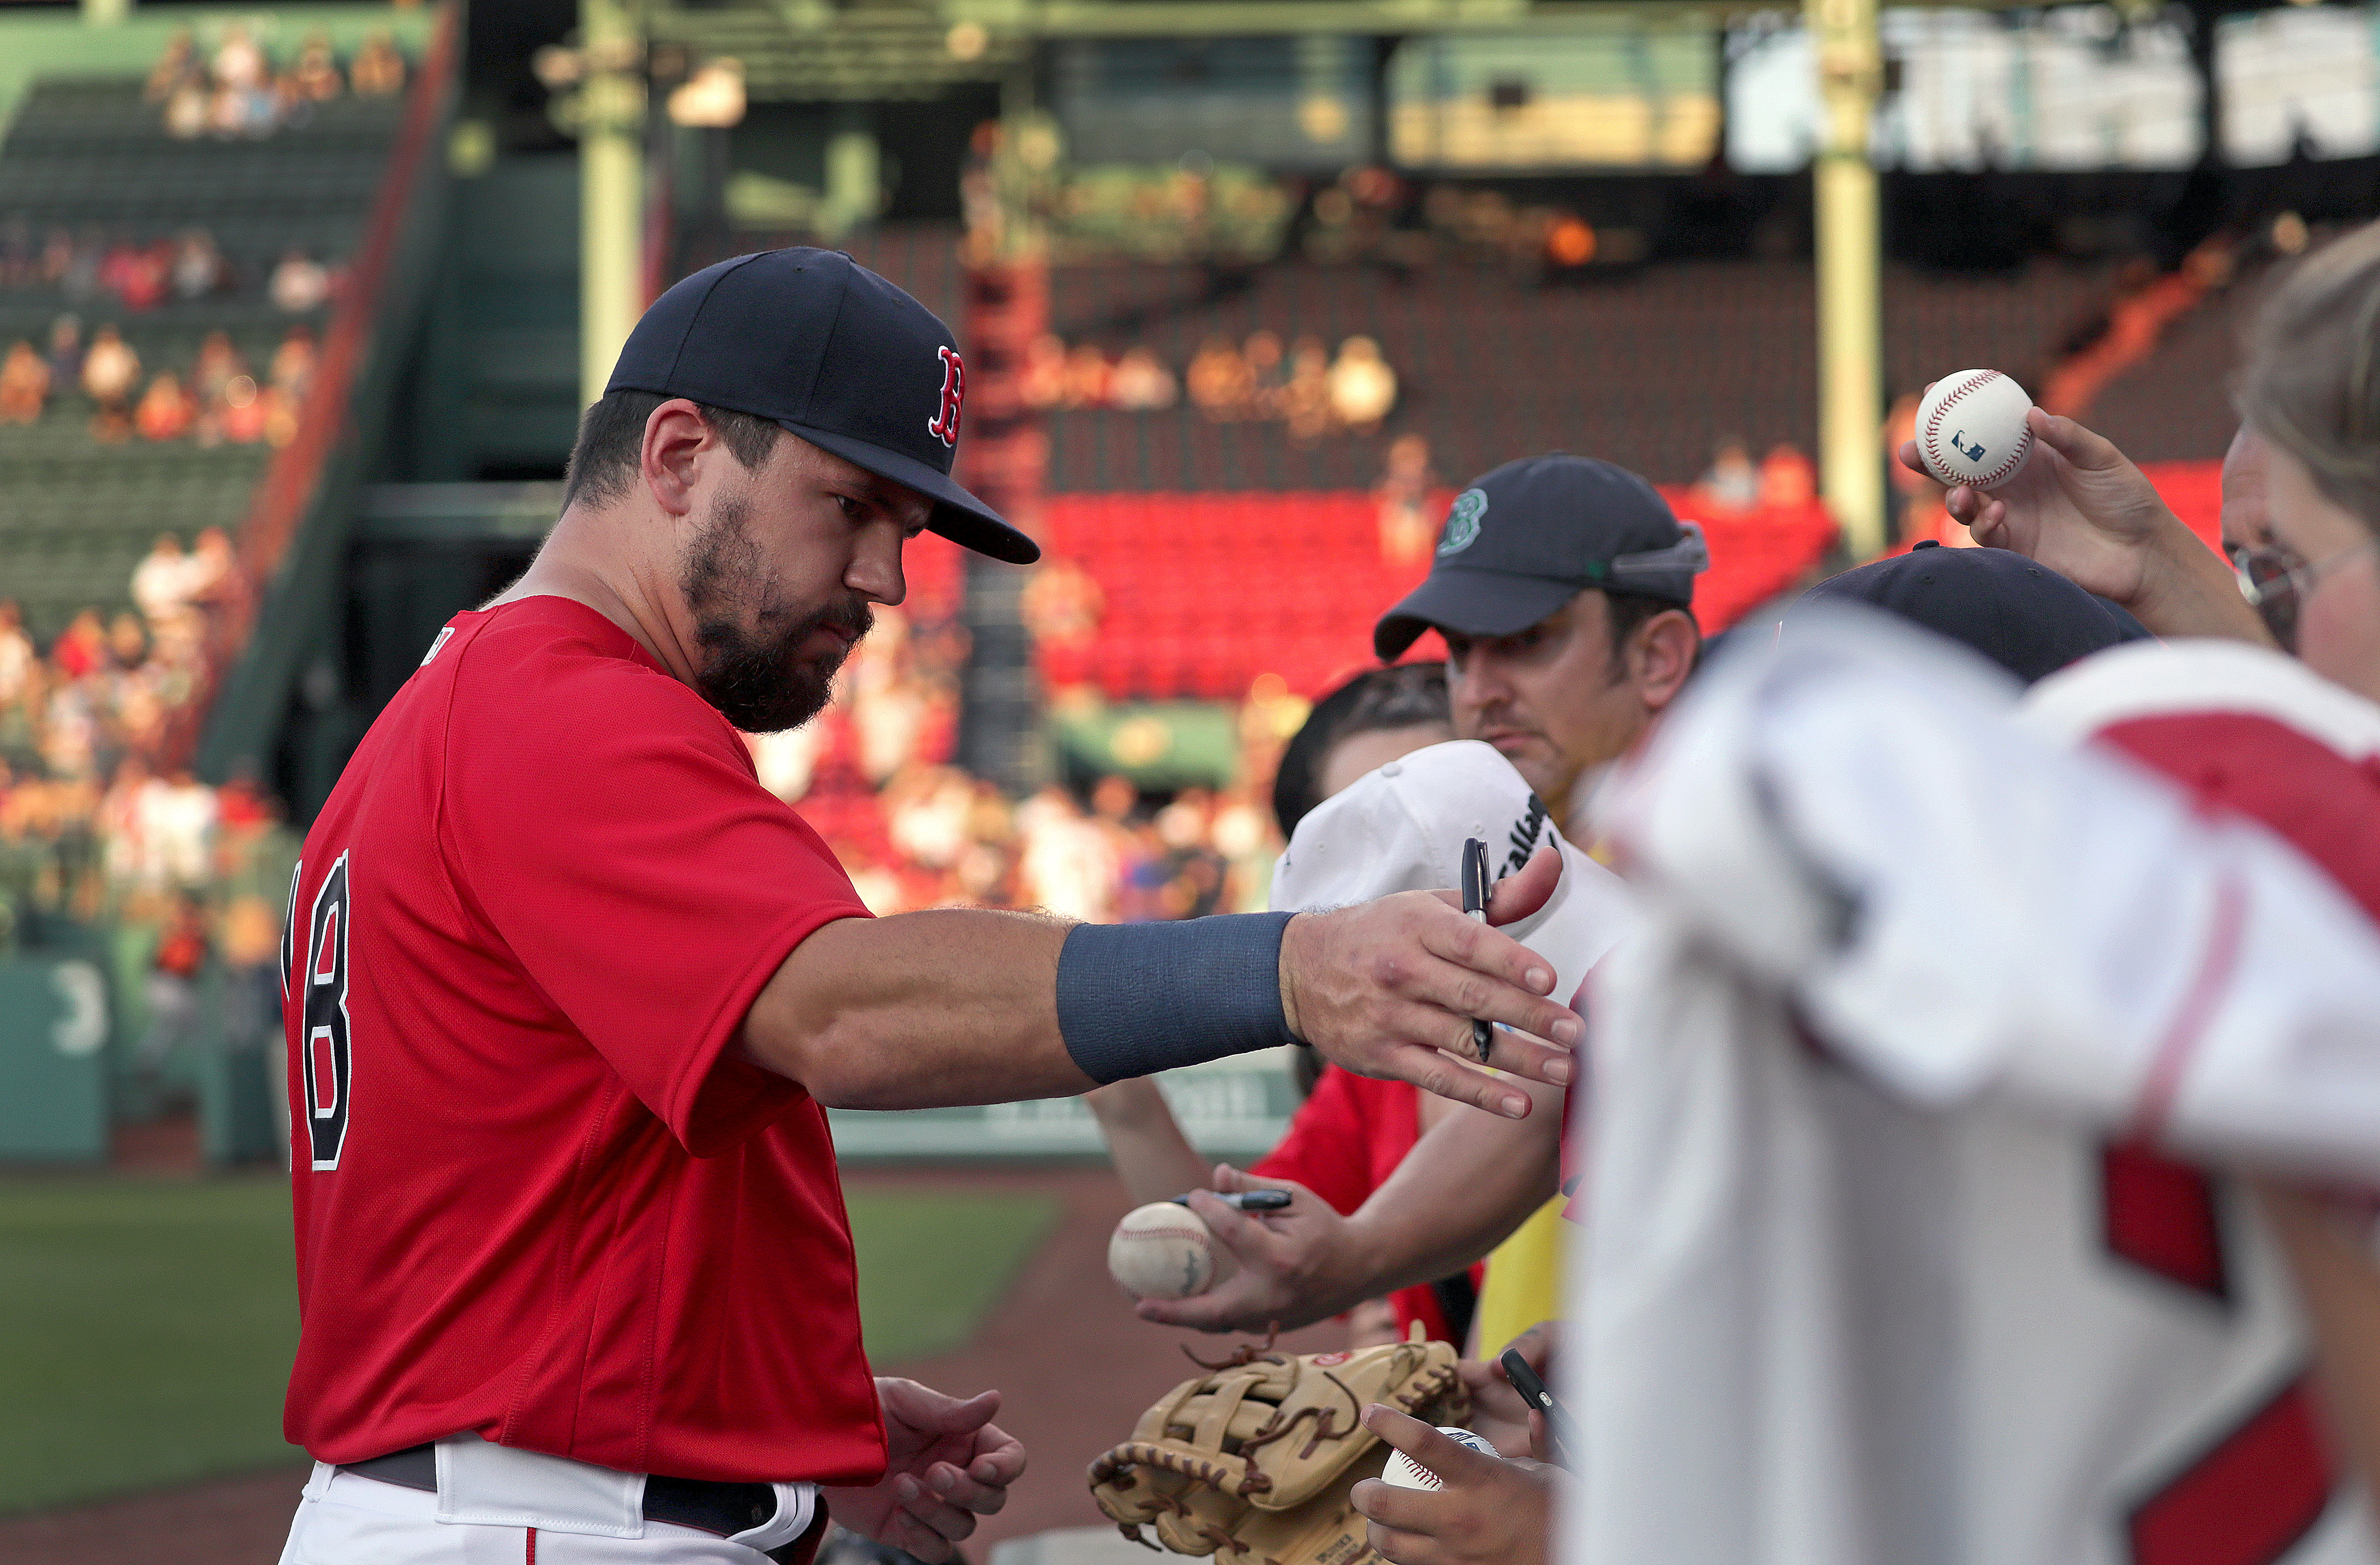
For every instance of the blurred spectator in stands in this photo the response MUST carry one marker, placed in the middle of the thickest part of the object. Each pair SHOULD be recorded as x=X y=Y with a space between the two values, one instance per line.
x=1042 y=380
x=1141 y=384
x=1087 y=378
x=1266 y=373
x=161 y=581
x=187 y=111
x=139 y=274
x=197 y=266
x=173 y=989
x=887 y=704
x=299 y=283
x=378 y=69
x=178 y=64
x=216 y=366
x=66 y=352
x=121 y=819
x=314 y=78
x=241 y=418
x=1731 y=482
x=24 y=385
x=110 y=371
x=212 y=560
x=179 y=817
x=17 y=656
x=788 y=759
x=238 y=61
x=1062 y=603
x=166 y=412
x=69 y=723
x=78 y=278
x=128 y=644
x=81 y=646
x=1305 y=403
x=1066 y=864
x=926 y=814
x=1789 y=481
x=1406 y=529
x=1220 y=382
x=1195 y=876
x=293 y=364
x=1362 y=387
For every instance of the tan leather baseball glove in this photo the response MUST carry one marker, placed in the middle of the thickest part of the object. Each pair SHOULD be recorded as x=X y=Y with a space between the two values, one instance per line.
x=1255 y=1458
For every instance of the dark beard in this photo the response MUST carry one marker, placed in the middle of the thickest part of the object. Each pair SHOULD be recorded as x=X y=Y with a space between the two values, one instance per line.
x=752 y=677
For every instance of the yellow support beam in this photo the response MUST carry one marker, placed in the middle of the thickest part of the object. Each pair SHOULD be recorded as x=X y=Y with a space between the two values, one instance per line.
x=610 y=190
x=1851 y=282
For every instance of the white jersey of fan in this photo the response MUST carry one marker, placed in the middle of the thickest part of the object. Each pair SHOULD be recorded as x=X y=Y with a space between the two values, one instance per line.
x=1888 y=1259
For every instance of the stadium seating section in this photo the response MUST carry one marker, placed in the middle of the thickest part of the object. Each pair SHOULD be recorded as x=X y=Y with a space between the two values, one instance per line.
x=92 y=158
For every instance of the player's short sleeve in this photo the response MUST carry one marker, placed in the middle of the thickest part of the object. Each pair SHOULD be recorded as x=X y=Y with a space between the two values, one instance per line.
x=612 y=835
x=1328 y=1144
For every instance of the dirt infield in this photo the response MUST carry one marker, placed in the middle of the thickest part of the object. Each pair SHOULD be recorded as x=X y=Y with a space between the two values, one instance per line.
x=1076 y=1365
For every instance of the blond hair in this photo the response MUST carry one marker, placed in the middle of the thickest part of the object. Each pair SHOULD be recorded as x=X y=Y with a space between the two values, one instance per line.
x=2312 y=386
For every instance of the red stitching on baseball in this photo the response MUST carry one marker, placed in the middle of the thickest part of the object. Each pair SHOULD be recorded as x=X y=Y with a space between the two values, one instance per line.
x=1933 y=428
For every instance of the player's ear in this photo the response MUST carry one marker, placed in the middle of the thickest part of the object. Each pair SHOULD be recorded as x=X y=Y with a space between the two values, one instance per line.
x=675 y=435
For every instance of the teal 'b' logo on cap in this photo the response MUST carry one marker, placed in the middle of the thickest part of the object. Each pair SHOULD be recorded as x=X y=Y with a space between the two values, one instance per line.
x=1462 y=522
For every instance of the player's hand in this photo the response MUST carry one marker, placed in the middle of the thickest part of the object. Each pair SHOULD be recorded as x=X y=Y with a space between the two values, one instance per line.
x=1294 y=1266
x=2081 y=508
x=1491 y=1511
x=1499 y=1413
x=947 y=1463
x=1388 y=989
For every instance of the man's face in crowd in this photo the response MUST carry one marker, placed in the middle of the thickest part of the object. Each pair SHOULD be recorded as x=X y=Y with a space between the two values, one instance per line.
x=1553 y=698
x=780 y=571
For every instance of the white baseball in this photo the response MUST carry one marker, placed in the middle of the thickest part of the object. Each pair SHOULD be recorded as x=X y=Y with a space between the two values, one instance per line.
x=1162 y=1251
x=1404 y=1472
x=1971 y=428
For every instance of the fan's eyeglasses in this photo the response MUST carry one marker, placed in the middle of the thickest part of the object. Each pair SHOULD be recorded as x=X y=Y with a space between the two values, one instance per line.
x=2276 y=580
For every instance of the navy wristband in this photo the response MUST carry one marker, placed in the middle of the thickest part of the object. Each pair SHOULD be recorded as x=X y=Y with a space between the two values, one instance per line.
x=1137 y=998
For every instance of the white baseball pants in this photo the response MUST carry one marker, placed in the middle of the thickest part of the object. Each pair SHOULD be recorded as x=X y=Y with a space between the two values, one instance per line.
x=499 y=1507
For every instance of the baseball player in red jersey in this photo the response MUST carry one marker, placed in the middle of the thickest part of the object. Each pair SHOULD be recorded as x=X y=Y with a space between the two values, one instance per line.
x=568 y=993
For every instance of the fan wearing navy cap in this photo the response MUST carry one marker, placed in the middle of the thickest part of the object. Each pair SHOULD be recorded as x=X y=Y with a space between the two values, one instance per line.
x=568 y=991
x=1563 y=589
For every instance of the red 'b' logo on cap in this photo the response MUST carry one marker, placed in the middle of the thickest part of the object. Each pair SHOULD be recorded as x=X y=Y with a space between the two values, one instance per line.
x=945 y=425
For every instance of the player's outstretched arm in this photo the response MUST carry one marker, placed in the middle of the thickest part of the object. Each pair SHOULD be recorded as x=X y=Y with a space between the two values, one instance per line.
x=959 y=1007
x=1464 y=1187
x=2081 y=508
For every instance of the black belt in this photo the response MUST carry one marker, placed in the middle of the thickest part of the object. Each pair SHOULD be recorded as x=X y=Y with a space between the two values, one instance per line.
x=723 y=1509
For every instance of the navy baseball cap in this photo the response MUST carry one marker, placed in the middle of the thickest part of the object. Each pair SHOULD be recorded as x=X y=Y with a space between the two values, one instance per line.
x=834 y=353
x=2023 y=617
x=1528 y=537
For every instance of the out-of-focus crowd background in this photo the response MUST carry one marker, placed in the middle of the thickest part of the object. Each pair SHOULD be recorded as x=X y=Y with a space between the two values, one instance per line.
x=297 y=307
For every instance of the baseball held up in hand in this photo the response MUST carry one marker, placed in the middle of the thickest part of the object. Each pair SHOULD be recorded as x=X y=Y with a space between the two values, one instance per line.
x=1404 y=1472
x=1970 y=429
x=1162 y=1251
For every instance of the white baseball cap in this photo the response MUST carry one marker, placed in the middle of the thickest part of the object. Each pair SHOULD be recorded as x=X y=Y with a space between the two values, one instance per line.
x=1401 y=828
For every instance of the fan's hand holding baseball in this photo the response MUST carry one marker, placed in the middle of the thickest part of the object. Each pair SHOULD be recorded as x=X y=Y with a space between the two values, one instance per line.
x=1487 y=1511
x=1500 y=1413
x=947 y=1465
x=1295 y=1267
x=1390 y=989
x=2081 y=508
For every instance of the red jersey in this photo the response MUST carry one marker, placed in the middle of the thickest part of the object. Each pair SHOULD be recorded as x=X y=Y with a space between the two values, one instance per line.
x=539 y=1194
x=1342 y=1144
